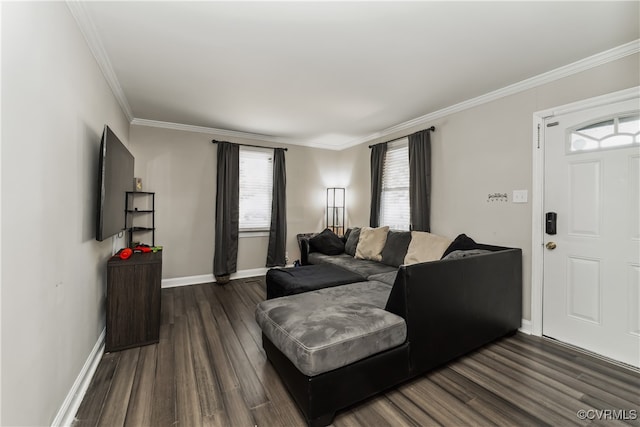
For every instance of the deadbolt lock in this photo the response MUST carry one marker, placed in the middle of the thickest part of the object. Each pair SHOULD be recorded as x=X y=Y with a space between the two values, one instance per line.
x=551 y=245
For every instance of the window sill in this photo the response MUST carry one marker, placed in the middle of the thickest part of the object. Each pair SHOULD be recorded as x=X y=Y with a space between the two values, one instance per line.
x=246 y=234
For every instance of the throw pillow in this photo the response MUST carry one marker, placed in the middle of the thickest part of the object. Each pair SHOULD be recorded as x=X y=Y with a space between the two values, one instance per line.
x=371 y=243
x=460 y=243
x=327 y=243
x=346 y=235
x=425 y=247
x=352 y=241
x=396 y=247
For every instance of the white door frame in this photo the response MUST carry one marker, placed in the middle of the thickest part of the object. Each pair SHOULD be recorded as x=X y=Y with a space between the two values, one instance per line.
x=537 y=199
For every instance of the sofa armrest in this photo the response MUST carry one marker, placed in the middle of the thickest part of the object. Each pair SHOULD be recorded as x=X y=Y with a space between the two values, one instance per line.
x=454 y=306
x=304 y=251
x=305 y=248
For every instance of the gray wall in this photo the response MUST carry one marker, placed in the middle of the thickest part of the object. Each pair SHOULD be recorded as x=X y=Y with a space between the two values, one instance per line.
x=357 y=163
x=55 y=103
x=180 y=166
x=488 y=149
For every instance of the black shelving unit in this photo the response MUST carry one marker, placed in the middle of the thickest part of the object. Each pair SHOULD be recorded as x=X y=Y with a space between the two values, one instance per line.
x=131 y=212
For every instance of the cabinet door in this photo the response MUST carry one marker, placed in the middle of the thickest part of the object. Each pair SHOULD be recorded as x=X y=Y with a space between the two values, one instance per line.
x=121 y=292
x=133 y=305
x=147 y=302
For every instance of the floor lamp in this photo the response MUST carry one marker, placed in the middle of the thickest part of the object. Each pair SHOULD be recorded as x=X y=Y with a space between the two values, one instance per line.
x=335 y=210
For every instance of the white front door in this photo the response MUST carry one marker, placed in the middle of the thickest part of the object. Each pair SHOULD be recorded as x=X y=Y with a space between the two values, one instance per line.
x=591 y=291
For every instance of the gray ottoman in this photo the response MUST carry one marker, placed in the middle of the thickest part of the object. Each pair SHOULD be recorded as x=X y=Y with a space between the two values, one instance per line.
x=327 y=329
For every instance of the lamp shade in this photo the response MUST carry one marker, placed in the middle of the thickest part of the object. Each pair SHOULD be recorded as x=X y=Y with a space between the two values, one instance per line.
x=335 y=197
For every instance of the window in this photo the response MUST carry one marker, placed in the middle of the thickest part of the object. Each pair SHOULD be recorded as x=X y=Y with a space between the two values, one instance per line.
x=256 y=188
x=394 y=200
x=616 y=132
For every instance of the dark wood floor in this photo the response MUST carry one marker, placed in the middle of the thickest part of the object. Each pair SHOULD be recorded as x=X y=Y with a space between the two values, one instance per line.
x=209 y=369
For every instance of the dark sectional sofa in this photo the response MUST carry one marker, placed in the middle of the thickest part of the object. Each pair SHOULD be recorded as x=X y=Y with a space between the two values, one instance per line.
x=336 y=346
x=393 y=253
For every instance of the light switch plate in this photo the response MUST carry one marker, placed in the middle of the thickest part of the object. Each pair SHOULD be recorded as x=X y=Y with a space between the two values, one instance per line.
x=520 y=196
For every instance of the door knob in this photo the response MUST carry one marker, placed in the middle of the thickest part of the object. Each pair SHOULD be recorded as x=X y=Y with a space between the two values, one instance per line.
x=551 y=245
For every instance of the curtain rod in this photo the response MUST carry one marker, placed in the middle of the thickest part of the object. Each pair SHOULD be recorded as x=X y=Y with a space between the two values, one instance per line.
x=432 y=129
x=249 y=145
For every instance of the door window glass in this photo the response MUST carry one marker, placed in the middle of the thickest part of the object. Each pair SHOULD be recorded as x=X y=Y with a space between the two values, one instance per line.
x=605 y=134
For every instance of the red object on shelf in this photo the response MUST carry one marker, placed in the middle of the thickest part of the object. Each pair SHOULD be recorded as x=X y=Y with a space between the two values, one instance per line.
x=125 y=253
x=143 y=249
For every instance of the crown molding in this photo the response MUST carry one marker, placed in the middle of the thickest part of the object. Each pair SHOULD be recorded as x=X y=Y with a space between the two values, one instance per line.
x=212 y=131
x=233 y=134
x=90 y=33
x=593 y=61
x=88 y=29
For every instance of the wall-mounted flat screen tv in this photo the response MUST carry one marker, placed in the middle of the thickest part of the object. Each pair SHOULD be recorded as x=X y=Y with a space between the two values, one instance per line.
x=115 y=179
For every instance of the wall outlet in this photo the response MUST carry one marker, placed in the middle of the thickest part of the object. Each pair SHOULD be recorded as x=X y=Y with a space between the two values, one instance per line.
x=520 y=196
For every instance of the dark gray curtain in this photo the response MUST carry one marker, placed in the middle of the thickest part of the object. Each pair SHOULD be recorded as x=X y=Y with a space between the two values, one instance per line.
x=420 y=180
x=278 y=229
x=227 y=209
x=377 y=164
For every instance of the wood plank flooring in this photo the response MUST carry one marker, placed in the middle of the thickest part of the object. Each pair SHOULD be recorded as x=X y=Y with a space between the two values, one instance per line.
x=209 y=369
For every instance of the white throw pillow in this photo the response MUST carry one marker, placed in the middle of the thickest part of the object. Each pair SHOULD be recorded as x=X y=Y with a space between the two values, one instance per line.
x=425 y=247
x=371 y=243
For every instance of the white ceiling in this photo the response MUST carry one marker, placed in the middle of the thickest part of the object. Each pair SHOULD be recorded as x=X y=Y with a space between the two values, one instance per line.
x=333 y=74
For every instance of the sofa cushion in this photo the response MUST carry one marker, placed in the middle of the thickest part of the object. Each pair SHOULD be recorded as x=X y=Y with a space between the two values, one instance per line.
x=323 y=330
x=346 y=235
x=318 y=258
x=371 y=243
x=295 y=280
x=352 y=241
x=363 y=267
x=464 y=254
x=425 y=247
x=460 y=243
x=327 y=243
x=389 y=278
x=395 y=249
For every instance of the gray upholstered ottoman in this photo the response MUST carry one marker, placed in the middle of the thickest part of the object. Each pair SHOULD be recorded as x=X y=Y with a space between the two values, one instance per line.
x=323 y=330
x=290 y=281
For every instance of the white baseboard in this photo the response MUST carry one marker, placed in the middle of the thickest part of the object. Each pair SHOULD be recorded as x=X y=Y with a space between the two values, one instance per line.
x=242 y=274
x=526 y=327
x=69 y=408
x=209 y=278
x=189 y=280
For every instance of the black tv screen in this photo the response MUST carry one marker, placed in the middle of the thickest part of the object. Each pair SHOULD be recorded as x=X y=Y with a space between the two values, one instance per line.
x=114 y=180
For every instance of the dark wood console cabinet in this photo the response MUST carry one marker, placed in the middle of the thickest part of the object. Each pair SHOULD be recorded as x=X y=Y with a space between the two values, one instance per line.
x=133 y=301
